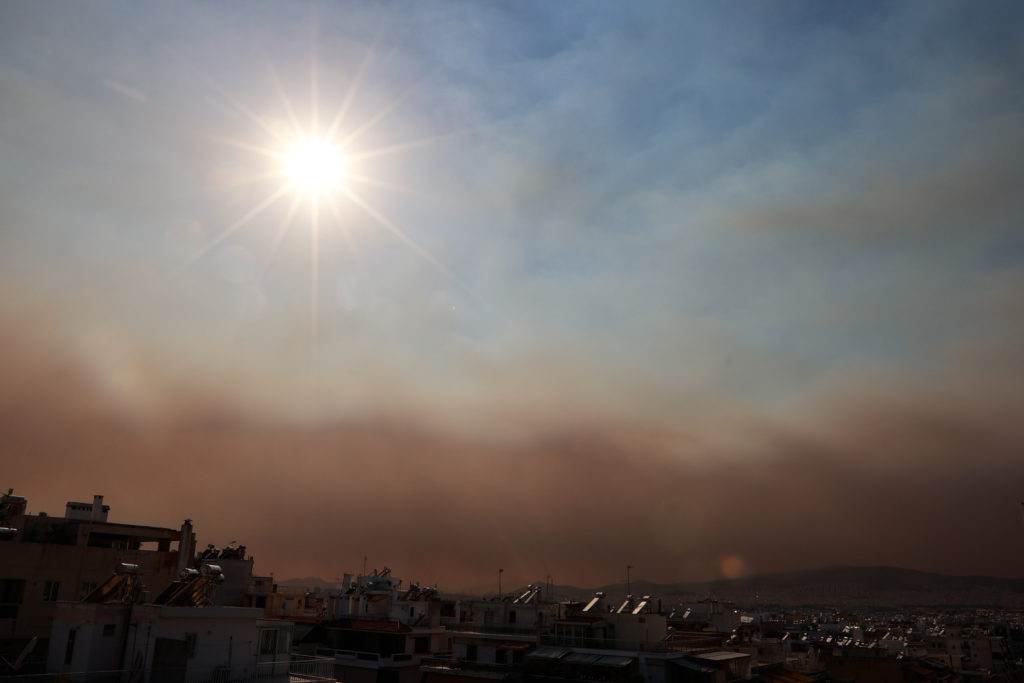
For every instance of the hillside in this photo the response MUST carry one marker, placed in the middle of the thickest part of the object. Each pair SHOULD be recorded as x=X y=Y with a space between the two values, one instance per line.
x=845 y=586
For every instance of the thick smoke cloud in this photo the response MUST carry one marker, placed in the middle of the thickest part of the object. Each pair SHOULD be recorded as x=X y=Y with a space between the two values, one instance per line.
x=876 y=476
x=706 y=291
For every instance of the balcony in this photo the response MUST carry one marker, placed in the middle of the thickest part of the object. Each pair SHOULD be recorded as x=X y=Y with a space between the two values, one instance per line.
x=662 y=645
x=497 y=629
x=371 y=660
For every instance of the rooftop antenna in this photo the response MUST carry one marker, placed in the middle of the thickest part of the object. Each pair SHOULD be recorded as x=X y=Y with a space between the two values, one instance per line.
x=364 y=565
x=499 y=582
x=628 y=567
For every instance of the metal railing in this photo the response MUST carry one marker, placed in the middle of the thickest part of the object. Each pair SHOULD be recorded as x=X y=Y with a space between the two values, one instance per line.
x=311 y=668
x=498 y=629
x=299 y=668
x=395 y=658
x=453 y=664
x=662 y=645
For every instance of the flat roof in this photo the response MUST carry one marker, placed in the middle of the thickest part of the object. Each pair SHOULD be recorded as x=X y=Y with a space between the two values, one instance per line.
x=693 y=666
x=549 y=653
x=720 y=656
x=142 y=532
x=586 y=658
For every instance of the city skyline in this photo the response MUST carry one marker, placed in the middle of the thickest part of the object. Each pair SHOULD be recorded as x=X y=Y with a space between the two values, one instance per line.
x=706 y=290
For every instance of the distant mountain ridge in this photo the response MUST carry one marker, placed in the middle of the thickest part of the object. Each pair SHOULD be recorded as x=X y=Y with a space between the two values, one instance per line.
x=839 y=586
x=308 y=582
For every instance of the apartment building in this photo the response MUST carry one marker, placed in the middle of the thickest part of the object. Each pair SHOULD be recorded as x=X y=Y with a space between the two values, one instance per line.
x=45 y=559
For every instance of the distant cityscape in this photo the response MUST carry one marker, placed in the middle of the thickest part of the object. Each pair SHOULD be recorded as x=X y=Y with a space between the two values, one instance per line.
x=86 y=598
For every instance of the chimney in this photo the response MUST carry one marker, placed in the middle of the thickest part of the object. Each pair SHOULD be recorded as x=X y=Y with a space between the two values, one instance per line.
x=97 y=510
x=186 y=546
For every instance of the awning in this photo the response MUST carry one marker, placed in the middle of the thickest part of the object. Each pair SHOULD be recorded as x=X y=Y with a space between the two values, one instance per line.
x=617 y=662
x=549 y=653
x=599 y=660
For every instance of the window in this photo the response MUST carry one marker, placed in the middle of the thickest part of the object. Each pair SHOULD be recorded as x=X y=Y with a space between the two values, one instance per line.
x=50 y=591
x=512 y=616
x=12 y=592
x=70 y=649
x=421 y=644
x=471 y=653
x=268 y=642
x=87 y=587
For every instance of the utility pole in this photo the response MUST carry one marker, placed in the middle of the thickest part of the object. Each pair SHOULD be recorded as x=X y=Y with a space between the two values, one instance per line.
x=499 y=582
x=628 y=591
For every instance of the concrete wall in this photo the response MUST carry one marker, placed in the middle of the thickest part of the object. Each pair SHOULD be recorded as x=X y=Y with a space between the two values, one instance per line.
x=197 y=643
x=634 y=630
x=98 y=641
x=72 y=567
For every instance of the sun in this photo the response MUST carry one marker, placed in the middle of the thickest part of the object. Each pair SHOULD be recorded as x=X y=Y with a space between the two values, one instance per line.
x=314 y=166
x=322 y=167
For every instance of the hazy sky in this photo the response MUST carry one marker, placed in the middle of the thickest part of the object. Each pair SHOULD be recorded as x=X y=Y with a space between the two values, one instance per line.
x=703 y=288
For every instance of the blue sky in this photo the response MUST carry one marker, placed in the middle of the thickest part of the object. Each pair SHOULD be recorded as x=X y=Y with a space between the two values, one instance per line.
x=689 y=218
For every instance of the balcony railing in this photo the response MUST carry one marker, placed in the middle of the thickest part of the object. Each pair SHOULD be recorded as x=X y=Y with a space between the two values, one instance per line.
x=396 y=659
x=310 y=668
x=494 y=628
x=293 y=669
x=570 y=640
x=453 y=664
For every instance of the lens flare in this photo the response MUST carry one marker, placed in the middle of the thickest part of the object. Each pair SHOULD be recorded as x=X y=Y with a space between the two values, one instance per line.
x=315 y=166
x=318 y=167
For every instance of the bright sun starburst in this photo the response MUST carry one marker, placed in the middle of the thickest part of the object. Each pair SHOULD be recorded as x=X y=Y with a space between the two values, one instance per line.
x=315 y=166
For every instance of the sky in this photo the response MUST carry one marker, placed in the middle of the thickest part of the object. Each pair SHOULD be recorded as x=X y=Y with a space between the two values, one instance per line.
x=707 y=289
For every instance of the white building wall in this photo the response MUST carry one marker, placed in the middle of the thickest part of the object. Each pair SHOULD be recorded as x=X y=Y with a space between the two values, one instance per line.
x=98 y=641
x=218 y=642
x=226 y=639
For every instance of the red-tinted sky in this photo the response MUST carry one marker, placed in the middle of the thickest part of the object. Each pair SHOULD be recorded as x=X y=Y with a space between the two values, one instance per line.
x=704 y=290
x=927 y=481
